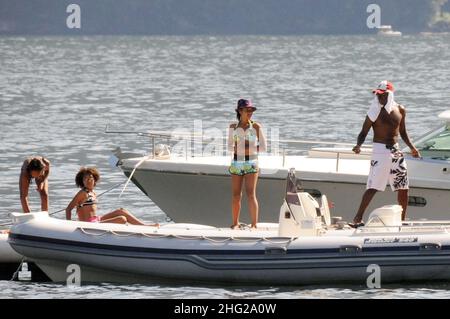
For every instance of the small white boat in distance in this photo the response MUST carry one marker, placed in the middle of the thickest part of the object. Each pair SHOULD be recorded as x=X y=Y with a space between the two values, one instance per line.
x=386 y=30
x=303 y=248
x=197 y=189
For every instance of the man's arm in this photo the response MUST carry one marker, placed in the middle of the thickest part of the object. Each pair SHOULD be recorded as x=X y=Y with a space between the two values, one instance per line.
x=24 y=184
x=404 y=133
x=362 y=135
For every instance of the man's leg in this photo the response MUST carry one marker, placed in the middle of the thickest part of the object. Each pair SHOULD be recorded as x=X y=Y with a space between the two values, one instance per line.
x=380 y=166
x=402 y=198
x=365 y=201
x=399 y=181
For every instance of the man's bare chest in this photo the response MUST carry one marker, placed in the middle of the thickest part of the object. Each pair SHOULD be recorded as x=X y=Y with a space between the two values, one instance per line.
x=386 y=119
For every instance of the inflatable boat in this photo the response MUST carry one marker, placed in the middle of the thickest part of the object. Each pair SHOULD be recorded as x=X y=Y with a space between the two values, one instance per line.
x=303 y=248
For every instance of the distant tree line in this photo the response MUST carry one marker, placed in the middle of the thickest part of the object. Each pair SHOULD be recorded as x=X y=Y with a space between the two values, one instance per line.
x=215 y=17
x=439 y=15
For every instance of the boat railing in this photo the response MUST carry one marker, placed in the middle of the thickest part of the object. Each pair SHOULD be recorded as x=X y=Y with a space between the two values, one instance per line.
x=278 y=147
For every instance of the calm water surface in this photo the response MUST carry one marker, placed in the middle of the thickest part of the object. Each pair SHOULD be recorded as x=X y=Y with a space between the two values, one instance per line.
x=58 y=94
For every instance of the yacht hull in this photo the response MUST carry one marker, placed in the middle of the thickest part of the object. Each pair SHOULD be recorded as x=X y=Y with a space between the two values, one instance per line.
x=205 y=198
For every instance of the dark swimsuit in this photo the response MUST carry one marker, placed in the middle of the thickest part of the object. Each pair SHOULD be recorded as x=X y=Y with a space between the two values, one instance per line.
x=90 y=201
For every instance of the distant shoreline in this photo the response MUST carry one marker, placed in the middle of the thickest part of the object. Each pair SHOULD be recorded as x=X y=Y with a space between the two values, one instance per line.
x=219 y=17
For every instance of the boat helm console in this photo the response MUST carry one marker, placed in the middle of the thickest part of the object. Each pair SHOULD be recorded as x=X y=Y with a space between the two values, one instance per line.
x=301 y=214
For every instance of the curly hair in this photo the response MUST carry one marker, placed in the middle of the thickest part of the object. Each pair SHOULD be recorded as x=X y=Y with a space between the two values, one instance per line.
x=85 y=171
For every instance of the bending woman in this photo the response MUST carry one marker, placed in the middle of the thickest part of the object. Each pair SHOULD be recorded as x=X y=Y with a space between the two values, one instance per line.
x=37 y=167
x=85 y=202
x=245 y=140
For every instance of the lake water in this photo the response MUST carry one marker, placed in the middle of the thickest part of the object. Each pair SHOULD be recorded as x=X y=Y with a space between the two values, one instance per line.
x=58 y=94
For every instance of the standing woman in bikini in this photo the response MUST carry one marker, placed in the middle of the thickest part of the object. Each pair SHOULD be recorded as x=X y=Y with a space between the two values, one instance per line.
x=245 y=140
x=85 y=201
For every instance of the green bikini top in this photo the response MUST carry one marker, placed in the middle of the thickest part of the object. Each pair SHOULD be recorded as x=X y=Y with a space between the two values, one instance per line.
x=249 y=134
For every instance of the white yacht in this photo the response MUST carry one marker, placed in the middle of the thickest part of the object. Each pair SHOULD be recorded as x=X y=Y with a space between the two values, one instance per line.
x=198 y=189
x=386 y=30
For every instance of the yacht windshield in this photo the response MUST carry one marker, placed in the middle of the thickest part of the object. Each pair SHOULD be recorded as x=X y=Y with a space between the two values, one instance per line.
x=437 y=146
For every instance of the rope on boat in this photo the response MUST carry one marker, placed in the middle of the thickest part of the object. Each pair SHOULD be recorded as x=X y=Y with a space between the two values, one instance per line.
x=225 y=239
x=246 y=239
x=154 y=235
x=92 y=234
x=186 y=237
x=124 y=234
x=132 y=173
x=201 y=237
x=287 y=241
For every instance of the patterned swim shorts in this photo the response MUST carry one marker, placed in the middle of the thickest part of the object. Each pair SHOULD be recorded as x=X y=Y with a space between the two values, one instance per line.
x=387 y=165
x=244 y=167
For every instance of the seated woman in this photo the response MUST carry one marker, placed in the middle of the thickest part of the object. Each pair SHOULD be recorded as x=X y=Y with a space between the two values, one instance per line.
x=85 y=202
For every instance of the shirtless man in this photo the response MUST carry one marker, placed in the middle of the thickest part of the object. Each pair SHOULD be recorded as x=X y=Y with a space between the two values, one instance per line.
x=387 y=118
x=38 y=168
